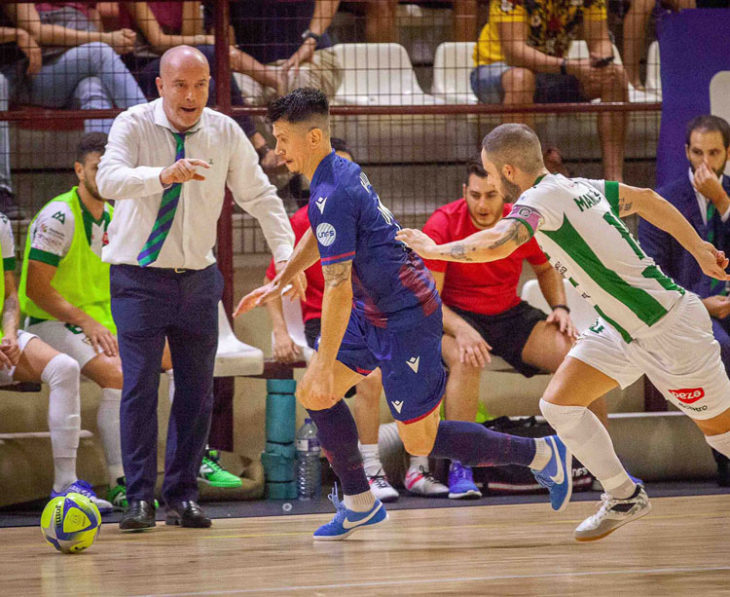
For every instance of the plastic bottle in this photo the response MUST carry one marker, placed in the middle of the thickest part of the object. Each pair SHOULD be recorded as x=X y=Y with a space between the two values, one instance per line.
x=309 y=466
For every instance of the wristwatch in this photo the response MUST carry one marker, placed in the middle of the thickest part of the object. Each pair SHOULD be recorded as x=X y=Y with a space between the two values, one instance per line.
x=308 y=33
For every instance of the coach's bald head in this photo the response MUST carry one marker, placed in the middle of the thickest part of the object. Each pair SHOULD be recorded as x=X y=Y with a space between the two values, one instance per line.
x=183 y=85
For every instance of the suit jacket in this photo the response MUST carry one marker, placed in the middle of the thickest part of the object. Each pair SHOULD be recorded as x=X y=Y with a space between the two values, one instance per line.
x=673 y=259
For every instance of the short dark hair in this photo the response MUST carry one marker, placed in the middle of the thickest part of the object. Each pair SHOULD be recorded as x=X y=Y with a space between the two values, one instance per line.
x=299 y=105
x=709 y=123
x=90 y=143
x=474 y=166
x=514 y=144
x=341 y=145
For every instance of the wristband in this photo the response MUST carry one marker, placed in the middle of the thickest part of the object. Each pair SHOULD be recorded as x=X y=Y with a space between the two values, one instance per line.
x=564 y=307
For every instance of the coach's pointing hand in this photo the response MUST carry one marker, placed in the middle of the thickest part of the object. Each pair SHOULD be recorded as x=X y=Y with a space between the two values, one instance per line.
x=182 y=171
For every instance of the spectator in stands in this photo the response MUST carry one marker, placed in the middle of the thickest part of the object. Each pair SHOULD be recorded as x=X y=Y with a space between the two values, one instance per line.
x=165 y=161
x=520 y=58
x=291 y=36
x=381 y=22
x=81 y=63
x=367 y=392
x=483 y=313
x=164 y=25
x=703 y=197
x=19 y=56
x=24 y=357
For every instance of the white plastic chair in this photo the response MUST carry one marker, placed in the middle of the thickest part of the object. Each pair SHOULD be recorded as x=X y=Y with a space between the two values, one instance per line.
x=581 y=311
x=295 y=326
x=378 y=74
x=234 y=358
x=452 y=66
x=720 y=99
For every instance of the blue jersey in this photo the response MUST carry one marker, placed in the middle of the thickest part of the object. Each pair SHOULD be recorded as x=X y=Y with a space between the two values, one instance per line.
x=391 y=285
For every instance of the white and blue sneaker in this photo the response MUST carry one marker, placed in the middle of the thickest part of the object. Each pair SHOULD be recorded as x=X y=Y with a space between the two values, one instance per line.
x=85 y=489
x=347 y=521
x=557 y=476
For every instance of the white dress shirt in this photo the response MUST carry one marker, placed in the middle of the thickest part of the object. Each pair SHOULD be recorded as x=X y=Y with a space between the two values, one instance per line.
x=703 y=202
x=141 y=145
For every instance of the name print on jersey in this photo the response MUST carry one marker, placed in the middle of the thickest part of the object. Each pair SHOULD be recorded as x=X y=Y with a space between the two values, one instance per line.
x=585 y=202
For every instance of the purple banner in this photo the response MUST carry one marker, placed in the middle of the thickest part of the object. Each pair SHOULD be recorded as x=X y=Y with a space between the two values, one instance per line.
x=694 y=45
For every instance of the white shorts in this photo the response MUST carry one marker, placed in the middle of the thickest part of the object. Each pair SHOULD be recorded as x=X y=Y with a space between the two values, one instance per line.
x=679 y=355
x=6 y=375
x=66 y=338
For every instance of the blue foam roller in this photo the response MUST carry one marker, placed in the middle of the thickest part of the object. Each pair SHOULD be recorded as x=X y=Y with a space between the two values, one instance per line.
x=285 y=450
x=281 y=414
x=278 y=468
x=281 y=491
x=281 y=386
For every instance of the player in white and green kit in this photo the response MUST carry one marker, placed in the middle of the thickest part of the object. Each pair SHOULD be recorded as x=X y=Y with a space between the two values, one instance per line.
x=648 y=324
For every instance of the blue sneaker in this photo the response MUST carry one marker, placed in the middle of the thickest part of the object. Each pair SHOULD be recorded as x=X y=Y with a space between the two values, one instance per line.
x=347 y=521
x=84 y=488
x=461 y=482
x=557 y=476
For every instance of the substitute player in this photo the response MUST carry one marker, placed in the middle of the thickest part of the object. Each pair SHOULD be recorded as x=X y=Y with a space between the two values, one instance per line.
x=648 y=324
x=380 y=308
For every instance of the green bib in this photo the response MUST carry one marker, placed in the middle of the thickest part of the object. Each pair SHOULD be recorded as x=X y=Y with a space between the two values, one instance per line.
x=82 y=278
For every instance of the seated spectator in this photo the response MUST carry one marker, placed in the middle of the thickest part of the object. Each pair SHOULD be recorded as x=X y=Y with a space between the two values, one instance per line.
x=81 y=64
x=703 y=197
x=381 y=23
x=483 y=313
x=164 y=25
x=24 y=357
x=367 y=392
x=520 y=59
x=18 y=52
x=291 y=36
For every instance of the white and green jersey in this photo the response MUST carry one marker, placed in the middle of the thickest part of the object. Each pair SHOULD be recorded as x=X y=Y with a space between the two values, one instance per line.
x=576 y=224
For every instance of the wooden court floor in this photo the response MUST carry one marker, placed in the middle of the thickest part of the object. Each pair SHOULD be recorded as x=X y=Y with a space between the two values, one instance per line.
x=681 y=548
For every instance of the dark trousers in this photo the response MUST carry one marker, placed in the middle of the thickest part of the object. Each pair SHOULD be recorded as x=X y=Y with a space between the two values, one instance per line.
x=149 y=305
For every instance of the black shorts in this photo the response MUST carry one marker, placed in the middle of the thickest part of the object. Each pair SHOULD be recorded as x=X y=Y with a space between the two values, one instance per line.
x=507 y=332
x=312 y=330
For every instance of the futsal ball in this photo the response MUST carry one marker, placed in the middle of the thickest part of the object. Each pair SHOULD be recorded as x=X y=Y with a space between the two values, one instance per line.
x=70 y=523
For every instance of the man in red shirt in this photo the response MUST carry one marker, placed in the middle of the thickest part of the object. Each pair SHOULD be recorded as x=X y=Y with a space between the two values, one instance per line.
x=483 y=312
x=367 y=393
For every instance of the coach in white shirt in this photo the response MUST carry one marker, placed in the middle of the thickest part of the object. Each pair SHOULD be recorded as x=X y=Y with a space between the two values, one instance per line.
x=167 y=164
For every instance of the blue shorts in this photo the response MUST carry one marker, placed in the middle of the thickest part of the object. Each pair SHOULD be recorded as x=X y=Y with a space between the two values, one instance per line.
x=414 y=378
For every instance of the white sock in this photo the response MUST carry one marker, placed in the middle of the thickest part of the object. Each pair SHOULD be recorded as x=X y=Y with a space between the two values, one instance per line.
x=419 y=461
x=362 y=502
x=370 y=459
x=588 y=440
x=170 y=385
x=64 y=418
x=107 y=420
x=720 y=442
x=543 y=454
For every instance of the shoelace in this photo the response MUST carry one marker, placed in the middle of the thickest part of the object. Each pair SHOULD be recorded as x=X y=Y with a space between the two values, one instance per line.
x=339 y=506
x=212 y=464
x=379 y=481
x=83 y=487
x=462 y=473
x=427 y=476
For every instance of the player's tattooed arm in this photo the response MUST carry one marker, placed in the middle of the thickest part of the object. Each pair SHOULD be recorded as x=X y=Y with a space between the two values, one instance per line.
x=337 y=273
x=514 y=231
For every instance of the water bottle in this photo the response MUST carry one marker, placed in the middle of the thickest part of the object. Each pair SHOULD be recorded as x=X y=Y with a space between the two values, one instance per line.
x=309 y=466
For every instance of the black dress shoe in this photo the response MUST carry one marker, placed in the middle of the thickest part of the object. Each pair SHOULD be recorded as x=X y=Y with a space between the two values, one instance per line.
x=139 y=516
x=187 y=514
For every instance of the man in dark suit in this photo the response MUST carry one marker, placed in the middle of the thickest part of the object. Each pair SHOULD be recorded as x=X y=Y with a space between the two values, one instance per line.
x=703 y=197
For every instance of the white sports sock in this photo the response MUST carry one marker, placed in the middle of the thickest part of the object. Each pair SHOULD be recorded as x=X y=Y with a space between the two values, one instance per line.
x=362 y=502
x=588 y=440
x=419 y=461
x=107 y=420
x=64 y=418
x=370 y=459
x=720 y=442
x=170 y=385
x=543 y=454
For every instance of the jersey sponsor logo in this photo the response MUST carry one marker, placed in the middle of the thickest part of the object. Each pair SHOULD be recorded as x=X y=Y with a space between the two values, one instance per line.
x=688 y=395
x=397 y=405
x=60 y=216
x=597 y=327
x=105 y=239
x=590 y=199
x=326 y=234
x=413 y=363
x=320 y=203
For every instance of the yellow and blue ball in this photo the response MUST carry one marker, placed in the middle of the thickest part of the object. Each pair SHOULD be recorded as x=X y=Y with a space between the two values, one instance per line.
x=70 y=522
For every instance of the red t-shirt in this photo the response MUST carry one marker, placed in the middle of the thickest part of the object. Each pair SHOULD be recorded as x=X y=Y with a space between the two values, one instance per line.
x=312 y=303
x=485 y=288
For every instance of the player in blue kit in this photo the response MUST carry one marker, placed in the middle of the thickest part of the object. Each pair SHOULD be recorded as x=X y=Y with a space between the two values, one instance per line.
x=380 y=308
